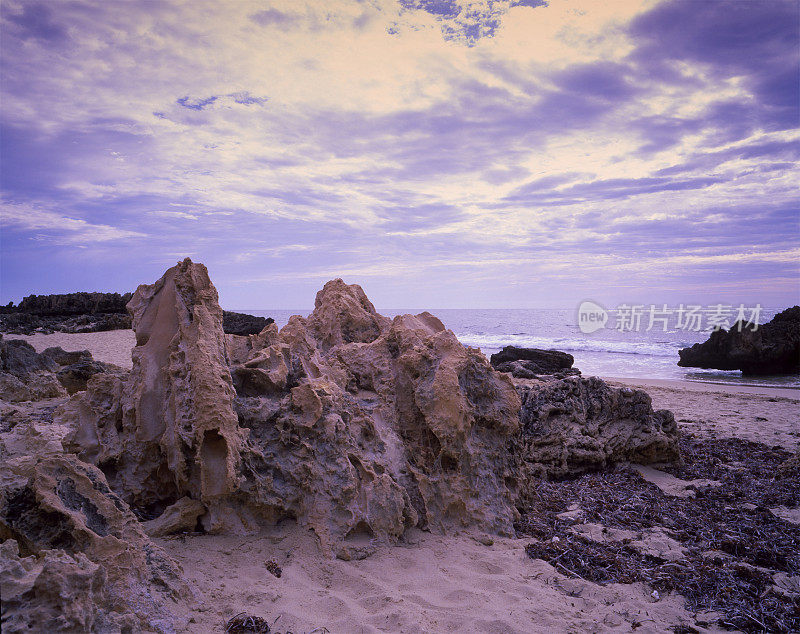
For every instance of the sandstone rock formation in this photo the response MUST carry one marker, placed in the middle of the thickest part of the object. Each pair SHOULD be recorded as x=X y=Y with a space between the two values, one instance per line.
x=168 y=429
x=353 y=424
x=73 y=557
x=773 y=348
x=577 y=424
x=528 y=363
x=358 y=426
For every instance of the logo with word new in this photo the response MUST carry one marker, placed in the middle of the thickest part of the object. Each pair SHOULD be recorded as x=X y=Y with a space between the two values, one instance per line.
x=591 y=317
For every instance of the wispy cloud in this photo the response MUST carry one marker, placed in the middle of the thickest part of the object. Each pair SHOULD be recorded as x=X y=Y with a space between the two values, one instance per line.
x=485 y=151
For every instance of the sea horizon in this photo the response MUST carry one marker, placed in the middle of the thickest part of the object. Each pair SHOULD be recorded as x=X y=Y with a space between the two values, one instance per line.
x=609 y=352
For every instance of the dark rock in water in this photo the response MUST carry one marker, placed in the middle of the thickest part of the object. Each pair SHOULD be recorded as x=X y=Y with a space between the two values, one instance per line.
x=577 y=424
x=243 y=324
x=528 y=363
x=773 y=348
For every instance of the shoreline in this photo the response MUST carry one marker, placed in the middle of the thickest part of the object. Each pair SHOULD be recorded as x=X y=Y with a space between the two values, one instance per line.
x=761 y=414
x=699 y=385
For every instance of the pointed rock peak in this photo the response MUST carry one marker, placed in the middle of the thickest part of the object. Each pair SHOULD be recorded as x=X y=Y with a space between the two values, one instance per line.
x=182 y=435
x=343 y=314
x=336 y=289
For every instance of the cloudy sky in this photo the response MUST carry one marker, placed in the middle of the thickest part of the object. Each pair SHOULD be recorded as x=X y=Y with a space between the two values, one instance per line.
x=441 y=153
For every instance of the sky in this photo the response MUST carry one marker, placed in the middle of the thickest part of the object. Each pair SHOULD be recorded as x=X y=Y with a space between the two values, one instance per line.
x=440 y=153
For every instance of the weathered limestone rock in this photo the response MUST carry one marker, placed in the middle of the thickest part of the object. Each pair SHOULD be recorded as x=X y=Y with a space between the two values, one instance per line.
x=180 y=517
x=577 y=424
x=74 y=557
x=359 y=427
x=26 y=375
x=343 y=314
x=774 y=348
x=362 y=427
x=168 y=429
x=353 y=424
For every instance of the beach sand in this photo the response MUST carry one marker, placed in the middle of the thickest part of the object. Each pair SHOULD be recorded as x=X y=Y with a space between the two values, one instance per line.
x=767 y=415
x=435 y=583
x=112 y=346
x=427 y=583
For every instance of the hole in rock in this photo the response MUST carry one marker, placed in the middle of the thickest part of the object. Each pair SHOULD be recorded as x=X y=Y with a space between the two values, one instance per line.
x=449 y=463
x=214 y=457
x=361 y=532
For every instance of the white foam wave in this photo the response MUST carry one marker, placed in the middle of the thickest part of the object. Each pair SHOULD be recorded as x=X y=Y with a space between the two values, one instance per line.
x=495 y=341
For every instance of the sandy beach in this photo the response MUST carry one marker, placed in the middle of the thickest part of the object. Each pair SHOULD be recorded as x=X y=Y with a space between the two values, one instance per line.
x=766 y=415
x=427 y=583
x=112 y=346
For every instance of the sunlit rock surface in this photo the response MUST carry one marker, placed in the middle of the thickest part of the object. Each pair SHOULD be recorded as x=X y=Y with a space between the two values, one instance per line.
x=356 y=425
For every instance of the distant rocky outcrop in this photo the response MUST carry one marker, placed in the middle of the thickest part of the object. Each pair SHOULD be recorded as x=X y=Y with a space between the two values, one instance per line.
x=243 y=324
x=72 y=312
x=95 y=312
x=772 y=348
x=528 y=363
x=71 y=304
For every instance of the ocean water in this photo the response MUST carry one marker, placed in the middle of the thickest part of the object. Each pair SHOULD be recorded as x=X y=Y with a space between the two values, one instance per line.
x=608 y=352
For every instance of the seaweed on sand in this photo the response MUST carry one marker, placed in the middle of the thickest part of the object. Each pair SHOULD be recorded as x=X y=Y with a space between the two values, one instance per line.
x=735 y=545
x=244 y=623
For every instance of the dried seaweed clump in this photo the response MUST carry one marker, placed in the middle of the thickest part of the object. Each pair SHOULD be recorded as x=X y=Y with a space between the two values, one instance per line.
x=735 y=546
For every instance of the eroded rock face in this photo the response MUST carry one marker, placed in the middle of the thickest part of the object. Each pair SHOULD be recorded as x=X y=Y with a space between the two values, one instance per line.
x=26 y=375
x=359 y=426
x=353 y=424
x=407 y=425
x=774 y=348
x=73 y=556
x=575 y=424
x=167 y=429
